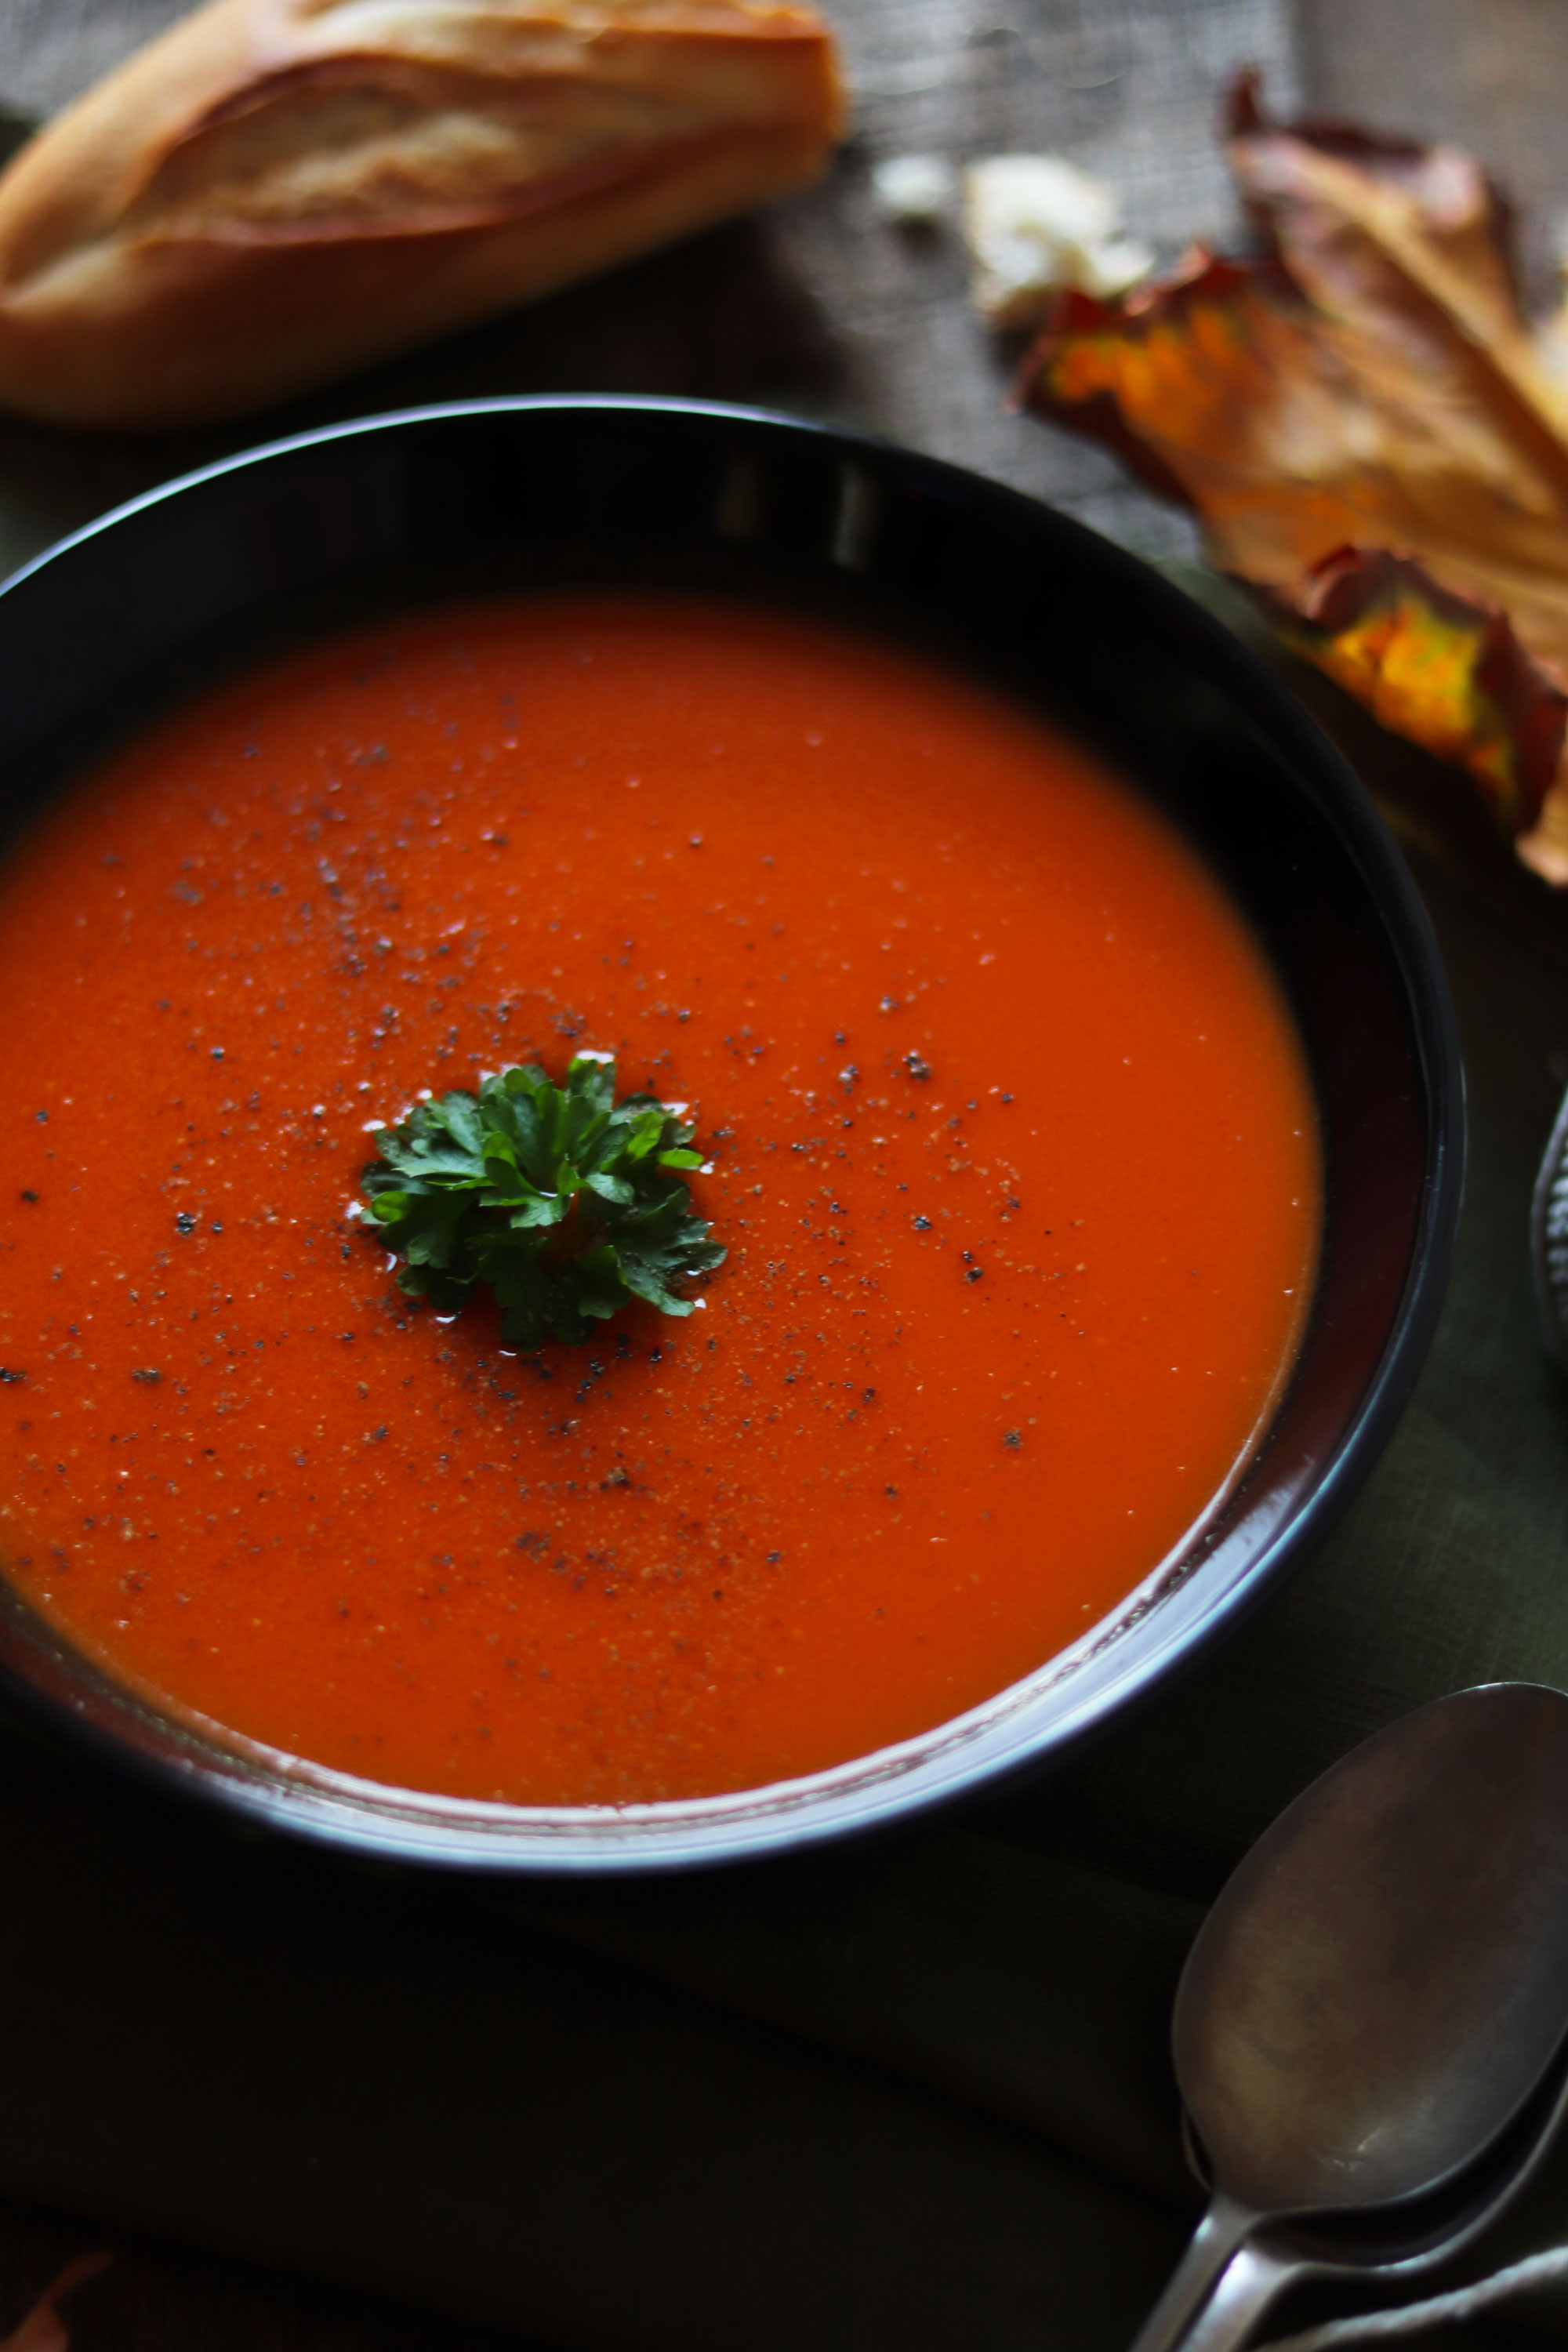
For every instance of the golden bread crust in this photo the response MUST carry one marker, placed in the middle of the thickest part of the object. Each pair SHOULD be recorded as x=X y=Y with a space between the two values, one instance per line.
x=277 y=191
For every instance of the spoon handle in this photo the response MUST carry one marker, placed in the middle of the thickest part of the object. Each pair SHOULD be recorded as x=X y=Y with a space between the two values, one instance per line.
x=1214 y=2243
x=1251 y=2279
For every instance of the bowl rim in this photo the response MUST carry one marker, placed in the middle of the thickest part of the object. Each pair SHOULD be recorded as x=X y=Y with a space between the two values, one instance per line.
x=950 y=1762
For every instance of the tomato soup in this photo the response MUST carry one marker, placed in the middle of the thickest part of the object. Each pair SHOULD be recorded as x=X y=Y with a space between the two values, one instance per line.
x=1012 y=1147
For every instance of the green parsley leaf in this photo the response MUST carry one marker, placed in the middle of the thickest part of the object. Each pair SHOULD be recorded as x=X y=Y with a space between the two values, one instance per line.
x=558 y=1199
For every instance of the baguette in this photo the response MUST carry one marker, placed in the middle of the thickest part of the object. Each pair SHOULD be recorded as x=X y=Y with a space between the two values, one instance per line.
x=276 y=191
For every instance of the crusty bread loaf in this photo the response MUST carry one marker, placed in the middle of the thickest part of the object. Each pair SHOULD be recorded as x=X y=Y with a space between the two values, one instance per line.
x=277 y=191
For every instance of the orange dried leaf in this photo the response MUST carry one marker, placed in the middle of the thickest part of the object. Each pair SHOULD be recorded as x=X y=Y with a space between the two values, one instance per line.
x=43 y=2330
x=1372 y=434
x=1437 y=667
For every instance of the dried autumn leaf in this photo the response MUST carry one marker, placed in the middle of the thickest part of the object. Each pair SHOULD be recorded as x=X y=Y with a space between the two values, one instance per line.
x=43 y=2330
x=1437 y=667
x=1373 y=434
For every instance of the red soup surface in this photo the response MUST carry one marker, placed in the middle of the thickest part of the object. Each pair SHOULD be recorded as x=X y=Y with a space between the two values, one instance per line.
x=1014 y=1156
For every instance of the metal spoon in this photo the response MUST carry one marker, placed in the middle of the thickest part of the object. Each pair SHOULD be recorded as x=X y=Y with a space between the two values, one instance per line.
x=1380 y=1989
x=1386 y=2244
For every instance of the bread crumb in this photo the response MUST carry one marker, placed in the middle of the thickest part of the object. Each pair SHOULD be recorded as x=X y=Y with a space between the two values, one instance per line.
x=1035 y=223
x=914 y=190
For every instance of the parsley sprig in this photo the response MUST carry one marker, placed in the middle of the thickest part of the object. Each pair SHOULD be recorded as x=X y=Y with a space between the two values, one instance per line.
x=563 y=1202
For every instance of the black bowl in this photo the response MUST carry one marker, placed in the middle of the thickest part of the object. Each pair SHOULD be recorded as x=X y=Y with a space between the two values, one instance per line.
x=319 y=530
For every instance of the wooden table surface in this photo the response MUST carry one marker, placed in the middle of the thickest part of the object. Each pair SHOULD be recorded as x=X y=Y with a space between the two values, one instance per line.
x=822 y=309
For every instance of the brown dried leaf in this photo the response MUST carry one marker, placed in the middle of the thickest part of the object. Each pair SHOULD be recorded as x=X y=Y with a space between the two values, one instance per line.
x=1373 y=434
x=43 y=2330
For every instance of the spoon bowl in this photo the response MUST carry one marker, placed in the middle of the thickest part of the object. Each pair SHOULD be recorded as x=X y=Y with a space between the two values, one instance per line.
x=1384 y=1981
x=1385 y=2244
x=1380 y=1994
